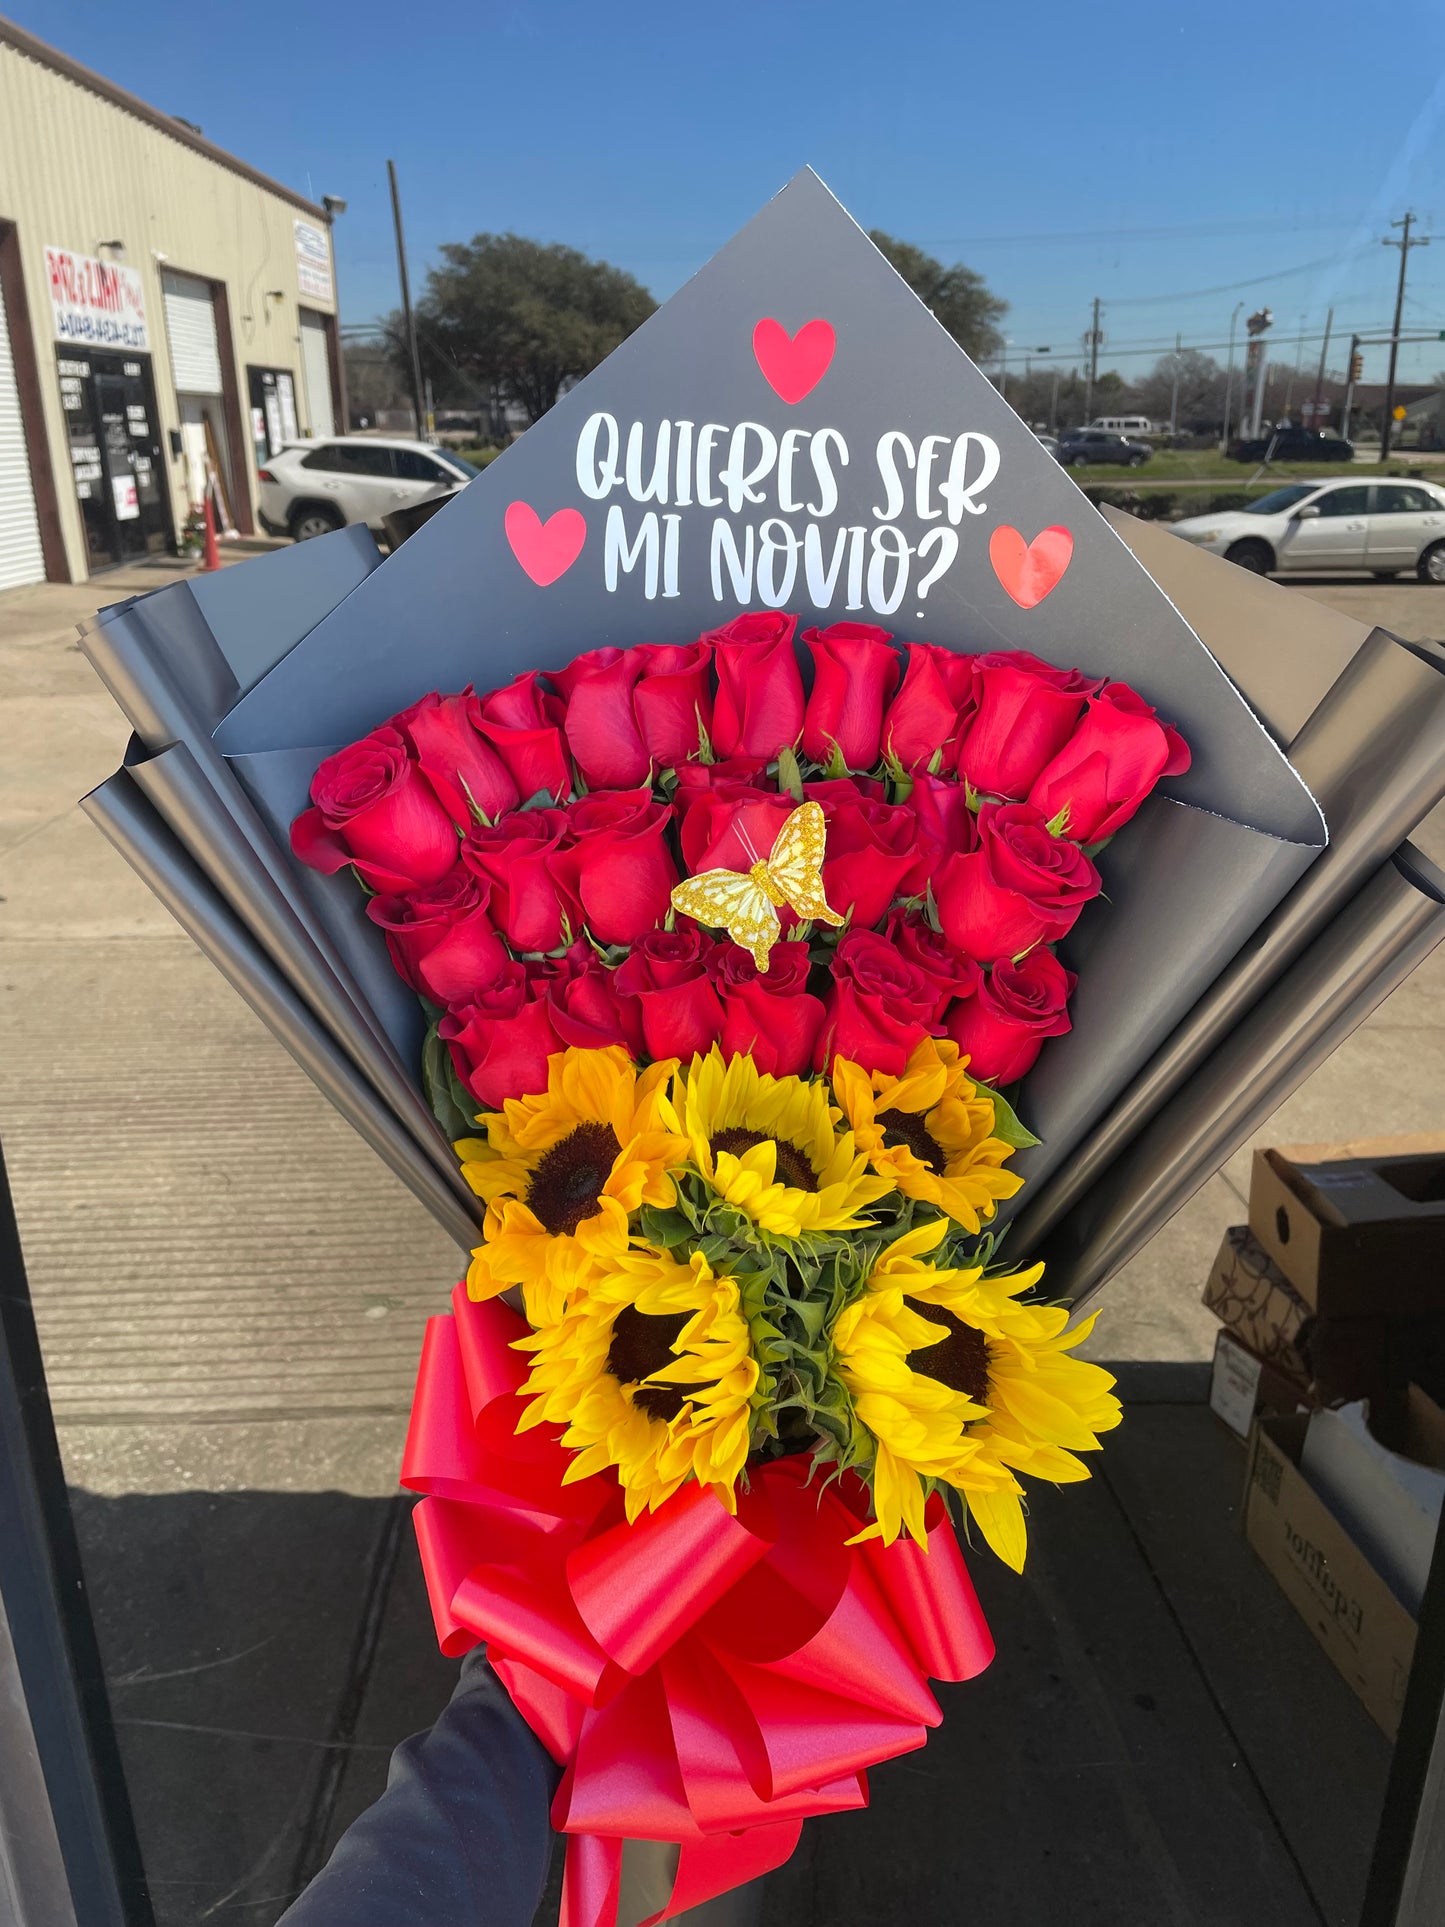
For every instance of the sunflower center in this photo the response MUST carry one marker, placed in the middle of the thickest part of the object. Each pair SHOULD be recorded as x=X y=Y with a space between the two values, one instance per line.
x=959 y=1361
x=568 y=1180
x=908 y=1129
x=792 y=1166
x=641 y=1345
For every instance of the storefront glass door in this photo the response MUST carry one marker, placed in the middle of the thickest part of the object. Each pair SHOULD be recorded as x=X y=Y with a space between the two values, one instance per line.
x=115 y=454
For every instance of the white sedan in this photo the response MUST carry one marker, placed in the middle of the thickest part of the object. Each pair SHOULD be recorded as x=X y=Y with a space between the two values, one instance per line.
x=1384 y=527
x=313 y=487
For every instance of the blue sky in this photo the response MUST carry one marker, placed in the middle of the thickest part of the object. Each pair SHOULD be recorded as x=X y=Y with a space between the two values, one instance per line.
x=1062 y=151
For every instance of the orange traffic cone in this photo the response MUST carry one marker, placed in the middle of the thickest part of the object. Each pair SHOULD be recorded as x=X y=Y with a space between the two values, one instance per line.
x=211 y=558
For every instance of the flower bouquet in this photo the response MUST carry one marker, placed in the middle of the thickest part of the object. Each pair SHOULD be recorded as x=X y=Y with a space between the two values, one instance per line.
x=728 y=970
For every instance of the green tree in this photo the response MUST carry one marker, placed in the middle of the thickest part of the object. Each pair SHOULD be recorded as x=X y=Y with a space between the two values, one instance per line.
x=956 y=296
x=528 y=318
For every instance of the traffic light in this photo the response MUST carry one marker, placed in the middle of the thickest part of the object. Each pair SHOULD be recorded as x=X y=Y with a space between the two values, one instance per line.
x=1357 y=367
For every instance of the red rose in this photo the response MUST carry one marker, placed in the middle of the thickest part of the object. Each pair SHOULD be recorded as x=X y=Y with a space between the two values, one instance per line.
x=588 y=1010
x=1002 y=1027
x=732 y=827
x=767 y=1015
x=673 y=700
x=879 y=1006
x=374 y=808
x=947 y=969
x=871 y=854
x=617 y=864
x=1119 y=751
x=523 y=723
x=667 y=973
x=935 y=702
x=945 y=822
x=456 y=759
x=517 y=857
x=1020 y=887
x=855 y=671
x=601 y=724
x=1026 y=713
x=501 y=1040
x=759 y=706
x=441 y=938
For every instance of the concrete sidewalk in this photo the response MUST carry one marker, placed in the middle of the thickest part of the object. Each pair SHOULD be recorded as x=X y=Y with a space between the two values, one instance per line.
x=230 y=1292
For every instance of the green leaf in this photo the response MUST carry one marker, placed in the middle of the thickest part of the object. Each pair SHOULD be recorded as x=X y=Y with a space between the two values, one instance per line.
x=452 y=1105
x=835 y=766
x=705 y=751
x=1006 y=1122
x=1059 y=825
x=790 y=777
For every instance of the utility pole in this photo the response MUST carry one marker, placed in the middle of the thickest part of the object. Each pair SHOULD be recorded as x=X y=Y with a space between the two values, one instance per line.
x=1320 y=377
x=417 y=401
x=1174 y=391
x=1054 y=404
x=1404 y=244
x=1353 y=369
x=1092 y=344
x=1229 y=379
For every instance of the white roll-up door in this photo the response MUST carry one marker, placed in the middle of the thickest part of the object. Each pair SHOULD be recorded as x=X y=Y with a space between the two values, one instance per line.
x=21 y=558
x=316 y=364
x=191 y=330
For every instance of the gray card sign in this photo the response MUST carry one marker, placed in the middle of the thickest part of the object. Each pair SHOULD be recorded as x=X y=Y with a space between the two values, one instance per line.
x=792 y=430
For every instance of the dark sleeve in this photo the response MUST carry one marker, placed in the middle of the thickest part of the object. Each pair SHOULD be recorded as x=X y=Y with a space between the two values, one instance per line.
x=460 y=1837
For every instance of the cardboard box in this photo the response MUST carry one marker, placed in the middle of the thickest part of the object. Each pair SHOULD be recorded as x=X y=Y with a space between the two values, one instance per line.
x=1367 y=1633
x=1384 y=1479
x=1249 y=1293
x=1356 y=1236
x=1243 y=1386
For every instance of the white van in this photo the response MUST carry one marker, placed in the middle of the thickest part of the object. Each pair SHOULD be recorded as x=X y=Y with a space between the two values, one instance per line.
x=1124 y=424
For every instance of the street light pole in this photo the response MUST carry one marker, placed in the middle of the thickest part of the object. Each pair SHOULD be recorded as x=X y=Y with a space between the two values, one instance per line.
x=1093 y=364
x=1404 y=244
x=410 y=319
x=1320 y=377
x=1229 y=377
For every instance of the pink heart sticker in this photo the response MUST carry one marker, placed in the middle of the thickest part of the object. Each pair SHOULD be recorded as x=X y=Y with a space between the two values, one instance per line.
x=1029 y=570
x=793 y=365
x=547 y=549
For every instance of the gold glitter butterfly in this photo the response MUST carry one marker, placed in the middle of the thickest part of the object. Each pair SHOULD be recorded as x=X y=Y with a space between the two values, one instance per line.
x=747 y=901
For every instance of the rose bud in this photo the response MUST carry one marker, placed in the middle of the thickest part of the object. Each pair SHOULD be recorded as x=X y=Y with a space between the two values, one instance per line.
x=855 y=671
x=878 y=1007
x=523 y=723
x=1106 y=769
x=465 y=771
x=1002 y=1028
x=673 y=700
x=588 y=1010
x=667 y=973
x=601 y=725
x=372 y=807
x=870 y=855
x=1021 y=886
x=1026 y=713
x=947 y=969
x=515 y=857
x=441 y=938
x=759 y=704
x=617 y=863
x=771 y=1017
x=935 y=702
x=945 y=823
x=501 y=1040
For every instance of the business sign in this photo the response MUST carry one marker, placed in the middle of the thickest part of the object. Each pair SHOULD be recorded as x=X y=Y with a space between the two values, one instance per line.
x=100 y=303
x=313 y=263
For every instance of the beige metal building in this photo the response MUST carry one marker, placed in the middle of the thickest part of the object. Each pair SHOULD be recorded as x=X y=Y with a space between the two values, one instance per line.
x=168 y=320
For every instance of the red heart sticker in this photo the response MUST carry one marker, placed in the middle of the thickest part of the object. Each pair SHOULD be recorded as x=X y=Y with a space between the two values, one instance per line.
x=793 y=365
x=547 y=549
x=1029 y=570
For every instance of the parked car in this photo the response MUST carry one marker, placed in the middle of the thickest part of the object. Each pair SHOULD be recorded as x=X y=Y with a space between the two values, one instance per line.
x=1049 y=443
x=1078 y=445
x=311 y=488
x=1291 y=444
x=1384 y=527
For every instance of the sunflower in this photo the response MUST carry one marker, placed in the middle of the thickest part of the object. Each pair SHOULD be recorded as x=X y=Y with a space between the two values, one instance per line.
x=563 y=1171
x=929 y=1132
x=770 y=1147
x=958 y=1381
x=652 y=1371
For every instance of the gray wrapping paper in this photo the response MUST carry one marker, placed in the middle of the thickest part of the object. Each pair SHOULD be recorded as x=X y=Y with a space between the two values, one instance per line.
x=1394 y=922
x=122 y=813
x=1374 y=754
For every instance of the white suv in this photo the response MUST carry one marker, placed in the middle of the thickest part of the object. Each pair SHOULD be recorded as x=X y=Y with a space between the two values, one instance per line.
x=311 y=488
